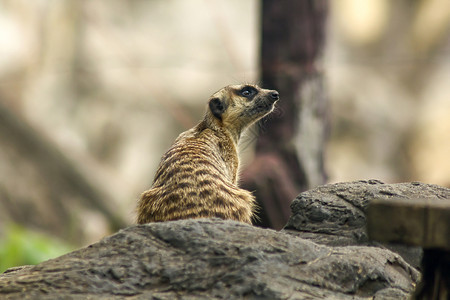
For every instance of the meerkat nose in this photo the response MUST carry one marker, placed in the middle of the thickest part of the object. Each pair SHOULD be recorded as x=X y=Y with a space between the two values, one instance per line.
x=274 y=95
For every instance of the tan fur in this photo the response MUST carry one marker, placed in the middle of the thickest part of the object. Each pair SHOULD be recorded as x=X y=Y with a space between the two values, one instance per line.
x=198 y=175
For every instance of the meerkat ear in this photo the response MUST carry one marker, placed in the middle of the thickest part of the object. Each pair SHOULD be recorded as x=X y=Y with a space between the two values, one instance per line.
x=217 y=107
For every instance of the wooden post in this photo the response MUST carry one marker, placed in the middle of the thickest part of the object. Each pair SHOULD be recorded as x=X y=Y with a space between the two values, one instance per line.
x=289 y=149
x=421 y=222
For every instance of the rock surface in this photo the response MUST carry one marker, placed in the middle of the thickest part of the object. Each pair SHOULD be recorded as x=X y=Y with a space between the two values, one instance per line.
x=204 y=259
x=323 y=253
x=334 y=214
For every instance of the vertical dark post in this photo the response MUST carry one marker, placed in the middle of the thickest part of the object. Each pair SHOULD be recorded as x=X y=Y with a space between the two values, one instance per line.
x=289 y=149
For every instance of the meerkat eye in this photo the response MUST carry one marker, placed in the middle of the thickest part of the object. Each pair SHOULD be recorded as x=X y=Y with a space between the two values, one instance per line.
x=248 y=91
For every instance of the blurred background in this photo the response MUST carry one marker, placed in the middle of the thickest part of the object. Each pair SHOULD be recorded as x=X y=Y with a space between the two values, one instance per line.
x=92 y=93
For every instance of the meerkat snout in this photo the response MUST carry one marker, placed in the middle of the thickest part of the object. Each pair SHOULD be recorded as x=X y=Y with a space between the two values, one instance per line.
x=274 y=96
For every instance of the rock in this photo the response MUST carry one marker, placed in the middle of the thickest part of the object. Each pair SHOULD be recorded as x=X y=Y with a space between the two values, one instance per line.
x=212 y=259
x=334 y=214
x=323 y=253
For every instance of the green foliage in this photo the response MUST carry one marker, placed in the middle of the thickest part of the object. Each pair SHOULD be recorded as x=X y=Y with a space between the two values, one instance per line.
x=20 y=246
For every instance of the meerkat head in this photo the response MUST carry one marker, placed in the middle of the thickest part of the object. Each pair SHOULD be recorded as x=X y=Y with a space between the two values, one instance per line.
x=235 y=107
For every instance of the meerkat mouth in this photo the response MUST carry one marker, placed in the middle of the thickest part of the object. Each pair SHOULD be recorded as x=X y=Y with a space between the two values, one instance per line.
x=266 y=105
x=263 y=107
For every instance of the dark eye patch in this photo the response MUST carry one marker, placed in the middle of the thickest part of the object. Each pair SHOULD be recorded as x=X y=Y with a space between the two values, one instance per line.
x=248 y=91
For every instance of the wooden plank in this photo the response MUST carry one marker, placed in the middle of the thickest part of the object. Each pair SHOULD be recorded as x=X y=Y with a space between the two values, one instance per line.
x=418 y=222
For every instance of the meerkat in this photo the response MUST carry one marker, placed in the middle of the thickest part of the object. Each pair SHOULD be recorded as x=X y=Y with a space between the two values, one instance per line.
x=198 y=176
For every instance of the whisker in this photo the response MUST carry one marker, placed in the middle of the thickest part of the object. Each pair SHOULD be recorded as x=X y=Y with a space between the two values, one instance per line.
x=250 y=135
